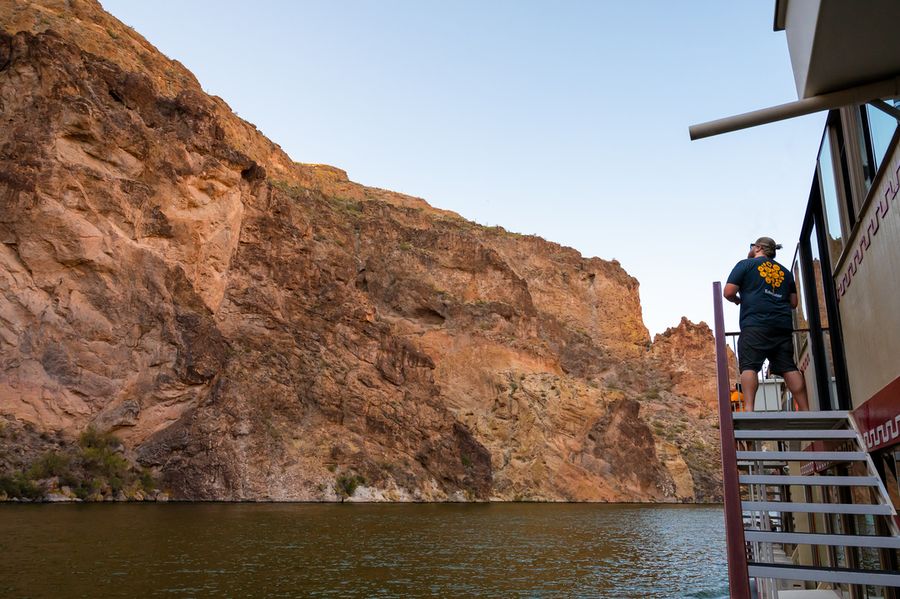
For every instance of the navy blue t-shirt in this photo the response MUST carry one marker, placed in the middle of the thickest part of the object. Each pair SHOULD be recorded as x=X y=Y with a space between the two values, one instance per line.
x=766 y=288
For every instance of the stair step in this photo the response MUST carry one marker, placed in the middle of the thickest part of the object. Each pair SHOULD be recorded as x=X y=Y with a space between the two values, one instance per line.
x=829 y=481
x=798 y=538
x=777 y=435
x=872 y=509
x=887 y=578
x=809 y=594
x=767 y=464
x=790 y=420
x=804 y=456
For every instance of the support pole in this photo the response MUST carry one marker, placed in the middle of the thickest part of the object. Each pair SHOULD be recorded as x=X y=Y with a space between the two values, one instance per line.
x=889 y=88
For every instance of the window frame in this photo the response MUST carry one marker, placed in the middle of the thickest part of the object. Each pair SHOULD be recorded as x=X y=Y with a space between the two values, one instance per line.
x=814 y=220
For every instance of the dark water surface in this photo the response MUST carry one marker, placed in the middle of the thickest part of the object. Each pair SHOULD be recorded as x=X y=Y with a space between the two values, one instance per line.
x=361 y=550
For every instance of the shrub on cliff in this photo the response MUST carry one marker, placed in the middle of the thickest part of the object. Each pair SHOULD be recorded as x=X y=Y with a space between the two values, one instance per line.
x=50 y=464
x=347 y=484
x=93 y=468
x=93 y=439
x=19 y=485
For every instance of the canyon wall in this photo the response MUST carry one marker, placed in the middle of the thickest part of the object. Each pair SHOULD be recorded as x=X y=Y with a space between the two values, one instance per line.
x=253 y=328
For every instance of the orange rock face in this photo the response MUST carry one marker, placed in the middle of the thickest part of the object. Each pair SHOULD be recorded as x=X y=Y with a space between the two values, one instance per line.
x=684 y=351
x=258 y=329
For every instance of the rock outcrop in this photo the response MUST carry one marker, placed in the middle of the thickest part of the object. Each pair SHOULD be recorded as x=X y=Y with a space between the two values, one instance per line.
x=253 y=328
x=684 y=352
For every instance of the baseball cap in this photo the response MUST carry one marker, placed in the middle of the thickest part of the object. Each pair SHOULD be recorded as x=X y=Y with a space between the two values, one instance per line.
x=767 y=243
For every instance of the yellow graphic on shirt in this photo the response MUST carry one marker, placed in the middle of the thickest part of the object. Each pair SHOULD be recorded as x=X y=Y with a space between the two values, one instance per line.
x=772 y=273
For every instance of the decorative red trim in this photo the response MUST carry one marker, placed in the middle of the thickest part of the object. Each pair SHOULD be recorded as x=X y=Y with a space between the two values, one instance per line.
x=878 y=418
x=814 y=467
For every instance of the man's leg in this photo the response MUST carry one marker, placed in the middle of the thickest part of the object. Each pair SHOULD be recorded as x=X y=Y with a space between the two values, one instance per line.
x=749 y=384
x=796 y=384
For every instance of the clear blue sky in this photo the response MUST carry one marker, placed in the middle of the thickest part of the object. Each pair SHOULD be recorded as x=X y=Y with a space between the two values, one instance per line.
x=563 y=119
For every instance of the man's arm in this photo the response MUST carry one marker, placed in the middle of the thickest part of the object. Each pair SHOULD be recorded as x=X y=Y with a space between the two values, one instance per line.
x=731 y=293
x=731 y=284
x=793 y=293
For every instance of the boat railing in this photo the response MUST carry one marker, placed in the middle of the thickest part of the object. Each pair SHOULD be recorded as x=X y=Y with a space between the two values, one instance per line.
x=738 y=581
x=772 y=394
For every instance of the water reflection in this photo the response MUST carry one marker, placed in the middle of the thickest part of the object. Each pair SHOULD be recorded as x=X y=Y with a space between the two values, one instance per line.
x=312 y=550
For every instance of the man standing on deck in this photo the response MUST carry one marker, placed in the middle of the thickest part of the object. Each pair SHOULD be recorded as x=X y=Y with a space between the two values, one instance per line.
x=767 y=293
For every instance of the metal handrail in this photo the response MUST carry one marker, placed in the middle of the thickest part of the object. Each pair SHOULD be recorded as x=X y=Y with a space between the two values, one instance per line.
x=735 y=333
x=738 y=578
x=780 y=398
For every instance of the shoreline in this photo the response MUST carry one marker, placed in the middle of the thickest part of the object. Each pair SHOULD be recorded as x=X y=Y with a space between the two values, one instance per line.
x=168 y=500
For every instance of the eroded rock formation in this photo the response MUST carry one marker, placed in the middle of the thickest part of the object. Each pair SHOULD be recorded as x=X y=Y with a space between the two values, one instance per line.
x=258 y=329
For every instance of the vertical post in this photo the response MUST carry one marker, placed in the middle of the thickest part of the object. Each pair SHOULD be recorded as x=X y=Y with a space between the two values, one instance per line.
x=816 y=340
x=738 y=580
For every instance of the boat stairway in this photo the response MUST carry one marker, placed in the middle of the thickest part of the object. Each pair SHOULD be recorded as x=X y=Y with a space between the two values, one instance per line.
x=810 y=494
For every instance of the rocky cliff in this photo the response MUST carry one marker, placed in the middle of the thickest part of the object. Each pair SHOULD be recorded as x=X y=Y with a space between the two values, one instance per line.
x=253 y=328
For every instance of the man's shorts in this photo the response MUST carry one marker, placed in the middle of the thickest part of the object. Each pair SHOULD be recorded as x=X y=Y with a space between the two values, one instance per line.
x=757 y=344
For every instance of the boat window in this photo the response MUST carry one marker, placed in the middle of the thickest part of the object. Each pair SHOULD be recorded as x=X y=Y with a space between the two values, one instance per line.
x=849 y=217
x=866 y=152
x=829 y=190
x=829 y=368
x=817 y=272
x=800 y=319
x=801 y=322
x=825 y=370
x=881 y=130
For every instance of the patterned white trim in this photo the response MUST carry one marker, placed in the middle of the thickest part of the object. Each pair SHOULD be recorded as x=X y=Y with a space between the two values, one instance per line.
x=883 y=433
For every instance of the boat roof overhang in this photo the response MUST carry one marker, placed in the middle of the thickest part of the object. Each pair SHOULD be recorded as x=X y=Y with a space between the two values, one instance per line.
x=835 y=44
x=842 y=52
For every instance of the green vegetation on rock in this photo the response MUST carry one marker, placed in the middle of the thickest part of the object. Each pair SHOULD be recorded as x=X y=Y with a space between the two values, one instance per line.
x=346 y=484
x=94 y=469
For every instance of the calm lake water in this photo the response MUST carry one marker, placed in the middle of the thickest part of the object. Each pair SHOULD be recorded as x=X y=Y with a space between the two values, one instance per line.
x=361 y=550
